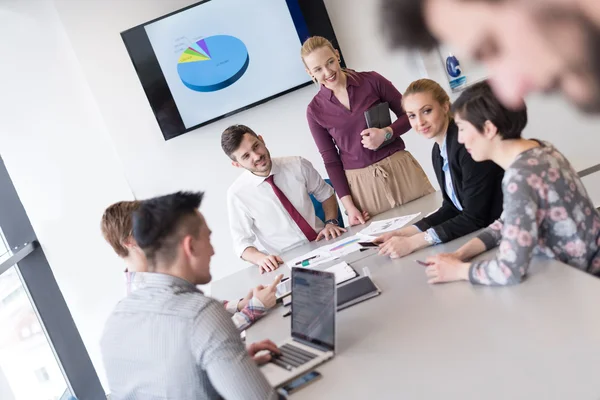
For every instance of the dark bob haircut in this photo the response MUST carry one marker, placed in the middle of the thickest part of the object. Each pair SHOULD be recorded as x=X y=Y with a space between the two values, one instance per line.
x=478 y=104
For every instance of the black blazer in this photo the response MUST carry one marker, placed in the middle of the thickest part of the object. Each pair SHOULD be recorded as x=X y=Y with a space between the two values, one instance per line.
x=478 y=187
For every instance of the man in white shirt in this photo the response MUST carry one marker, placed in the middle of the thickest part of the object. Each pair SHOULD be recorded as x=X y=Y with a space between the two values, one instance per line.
x=270 y=202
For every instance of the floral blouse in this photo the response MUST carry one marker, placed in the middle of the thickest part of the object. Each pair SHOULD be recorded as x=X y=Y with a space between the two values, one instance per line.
x=547 y=211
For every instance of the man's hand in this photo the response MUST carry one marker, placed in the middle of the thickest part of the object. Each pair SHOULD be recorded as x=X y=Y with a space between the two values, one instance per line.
x=355 y=217
x=373 y=138
x=397 y=247
x=330 y=231
x=268 y=263
x=266 y=294
x=244 y=302
x=446 y=268
x=259 y=346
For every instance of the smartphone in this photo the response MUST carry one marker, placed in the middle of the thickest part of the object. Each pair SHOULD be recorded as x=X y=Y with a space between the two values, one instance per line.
x=368 y=244
x=283 y=288
x=300 y=382
x=423 y=263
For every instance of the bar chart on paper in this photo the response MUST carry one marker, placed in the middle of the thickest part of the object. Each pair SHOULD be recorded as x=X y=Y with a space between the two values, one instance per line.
x=213 y=63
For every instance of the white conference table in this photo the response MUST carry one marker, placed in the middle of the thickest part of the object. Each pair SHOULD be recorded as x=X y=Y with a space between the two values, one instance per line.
x=536 y=340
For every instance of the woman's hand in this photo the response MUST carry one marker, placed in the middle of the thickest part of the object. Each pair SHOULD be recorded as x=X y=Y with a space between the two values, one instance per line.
x=446 y=268
x=356 y=217
x=407 y=231
x=373 y=138
x=397 y=247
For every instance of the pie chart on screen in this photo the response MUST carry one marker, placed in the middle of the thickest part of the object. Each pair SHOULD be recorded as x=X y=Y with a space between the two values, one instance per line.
x=213 y=63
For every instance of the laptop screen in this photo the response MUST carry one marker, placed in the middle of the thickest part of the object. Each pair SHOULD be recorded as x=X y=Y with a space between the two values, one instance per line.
x=314 y=307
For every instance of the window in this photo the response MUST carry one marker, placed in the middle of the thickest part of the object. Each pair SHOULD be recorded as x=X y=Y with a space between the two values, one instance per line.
x=27 y=361
x=3 y=247
x=42 y=356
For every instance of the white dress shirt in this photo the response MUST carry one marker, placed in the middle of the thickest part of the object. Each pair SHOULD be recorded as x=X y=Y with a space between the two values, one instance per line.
x=255 y=212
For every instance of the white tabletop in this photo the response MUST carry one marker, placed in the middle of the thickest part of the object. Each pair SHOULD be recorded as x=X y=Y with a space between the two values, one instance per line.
x=536 y=340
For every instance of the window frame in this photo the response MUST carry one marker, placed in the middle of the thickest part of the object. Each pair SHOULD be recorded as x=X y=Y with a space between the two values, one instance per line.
x=46 y=298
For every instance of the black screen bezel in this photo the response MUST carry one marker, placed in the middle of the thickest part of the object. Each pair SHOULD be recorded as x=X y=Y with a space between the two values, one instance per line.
x=155 y=85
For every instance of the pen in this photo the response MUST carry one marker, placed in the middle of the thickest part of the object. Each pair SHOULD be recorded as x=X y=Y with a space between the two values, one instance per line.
x=306 y=260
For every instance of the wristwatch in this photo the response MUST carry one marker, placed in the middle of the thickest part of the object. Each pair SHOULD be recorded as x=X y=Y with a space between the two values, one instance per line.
x=388 y=134
x=332 y=222
x=428 y=238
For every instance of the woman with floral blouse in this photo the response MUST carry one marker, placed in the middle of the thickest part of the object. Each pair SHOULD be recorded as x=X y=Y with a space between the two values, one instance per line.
x=547 y=211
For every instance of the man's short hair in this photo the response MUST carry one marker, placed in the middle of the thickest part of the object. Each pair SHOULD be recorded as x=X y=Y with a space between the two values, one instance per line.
x=478 y=104
x=404 y=24
x=116 y=225
x=162 y=222
x=232 y=137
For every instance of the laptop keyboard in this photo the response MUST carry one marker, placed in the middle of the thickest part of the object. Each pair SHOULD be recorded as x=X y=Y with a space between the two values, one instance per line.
x=291 y=357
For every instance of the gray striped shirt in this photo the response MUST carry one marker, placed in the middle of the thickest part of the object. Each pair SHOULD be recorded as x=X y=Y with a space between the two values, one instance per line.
x=169 y=341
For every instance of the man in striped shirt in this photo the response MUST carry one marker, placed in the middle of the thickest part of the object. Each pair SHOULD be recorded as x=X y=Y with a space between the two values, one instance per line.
x=117 y=230
x=166 y=340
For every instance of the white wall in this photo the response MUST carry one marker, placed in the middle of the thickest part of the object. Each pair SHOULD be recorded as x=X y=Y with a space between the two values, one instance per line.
x=195 y=160
x=61 y=160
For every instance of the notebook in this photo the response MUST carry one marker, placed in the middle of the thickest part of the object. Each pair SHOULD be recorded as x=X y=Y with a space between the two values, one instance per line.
x=378 y=116
x=343 y=272
x=357 y=291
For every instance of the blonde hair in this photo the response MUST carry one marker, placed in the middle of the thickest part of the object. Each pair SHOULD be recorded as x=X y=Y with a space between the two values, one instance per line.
x=316 y=42
x=313 y=43
x=428 y=86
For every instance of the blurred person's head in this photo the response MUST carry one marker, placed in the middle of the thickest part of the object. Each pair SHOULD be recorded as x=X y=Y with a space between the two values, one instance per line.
x=527 y=45
x=483 y=122
x=427 y=106
x=117 y=229
x=174 y=236
x=246 y=149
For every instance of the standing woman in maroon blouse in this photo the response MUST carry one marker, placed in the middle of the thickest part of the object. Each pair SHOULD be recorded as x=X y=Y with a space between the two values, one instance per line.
x=369 y=168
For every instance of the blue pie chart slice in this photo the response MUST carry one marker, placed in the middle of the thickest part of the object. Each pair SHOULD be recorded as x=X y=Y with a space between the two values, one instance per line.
x=213 y=63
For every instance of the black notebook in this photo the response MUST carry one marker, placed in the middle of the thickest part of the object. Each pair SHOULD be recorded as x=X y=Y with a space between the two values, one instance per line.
x=378 y=116
x=356 y=291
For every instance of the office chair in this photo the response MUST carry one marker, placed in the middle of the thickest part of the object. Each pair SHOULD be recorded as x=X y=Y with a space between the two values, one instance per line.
x=319 y=208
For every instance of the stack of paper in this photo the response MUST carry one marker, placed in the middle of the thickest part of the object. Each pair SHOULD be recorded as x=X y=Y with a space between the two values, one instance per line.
x=379 y=227
x=330 y=252
x=343 y=272
x=345 y=246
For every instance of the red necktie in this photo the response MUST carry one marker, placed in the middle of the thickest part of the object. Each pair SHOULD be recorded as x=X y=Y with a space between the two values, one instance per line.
x=308 y=231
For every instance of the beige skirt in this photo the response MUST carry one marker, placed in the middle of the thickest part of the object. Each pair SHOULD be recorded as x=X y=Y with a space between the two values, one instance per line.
x=393 y=181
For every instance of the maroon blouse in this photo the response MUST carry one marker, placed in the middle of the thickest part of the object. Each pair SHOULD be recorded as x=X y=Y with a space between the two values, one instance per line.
x=336 y=129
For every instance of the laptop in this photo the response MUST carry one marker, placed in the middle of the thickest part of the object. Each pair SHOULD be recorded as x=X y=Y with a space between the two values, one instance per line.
x=313 y=327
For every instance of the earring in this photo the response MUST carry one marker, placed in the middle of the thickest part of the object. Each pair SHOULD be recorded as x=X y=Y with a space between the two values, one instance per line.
x=316 y=82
